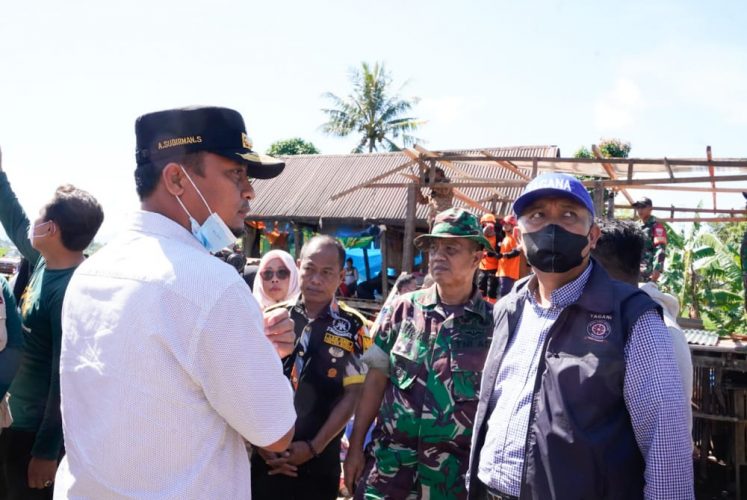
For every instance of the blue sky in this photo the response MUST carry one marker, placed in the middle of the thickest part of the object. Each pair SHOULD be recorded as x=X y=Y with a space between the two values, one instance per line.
x=668 y=76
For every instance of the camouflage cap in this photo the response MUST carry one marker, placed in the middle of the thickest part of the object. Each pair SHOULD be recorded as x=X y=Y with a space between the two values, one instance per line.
x=455 y=223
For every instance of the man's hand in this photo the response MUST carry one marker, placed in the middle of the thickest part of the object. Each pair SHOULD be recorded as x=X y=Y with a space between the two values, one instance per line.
x=300 y=453
x=655 y=275
x=41 y=473
x=279 y=330
x=353 y=468
x=278 y=463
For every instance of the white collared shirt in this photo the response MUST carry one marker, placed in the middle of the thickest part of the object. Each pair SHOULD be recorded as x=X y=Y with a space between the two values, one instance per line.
x=164 y=369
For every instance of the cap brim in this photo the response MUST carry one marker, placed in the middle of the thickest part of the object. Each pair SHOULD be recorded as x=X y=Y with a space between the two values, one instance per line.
x=639 y=205
x=261 y=166
x=422 y=241
x=258 y=166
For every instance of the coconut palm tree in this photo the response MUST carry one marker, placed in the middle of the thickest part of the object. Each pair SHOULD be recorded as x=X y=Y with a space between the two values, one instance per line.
x=372 y=112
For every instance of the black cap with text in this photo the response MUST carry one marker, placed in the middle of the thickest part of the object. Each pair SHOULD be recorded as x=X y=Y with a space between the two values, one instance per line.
x=174 y=132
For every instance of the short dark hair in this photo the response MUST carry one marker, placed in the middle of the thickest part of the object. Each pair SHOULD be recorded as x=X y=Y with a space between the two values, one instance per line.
x=324 y=239
x=620 y=248
x=77 y=214
x=148 y=174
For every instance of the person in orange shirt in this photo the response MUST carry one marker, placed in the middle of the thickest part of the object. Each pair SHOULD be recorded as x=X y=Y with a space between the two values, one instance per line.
x=488 y=280
x=508 y=265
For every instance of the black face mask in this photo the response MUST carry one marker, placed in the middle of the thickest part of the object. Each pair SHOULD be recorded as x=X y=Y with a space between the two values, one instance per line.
x=552 y=249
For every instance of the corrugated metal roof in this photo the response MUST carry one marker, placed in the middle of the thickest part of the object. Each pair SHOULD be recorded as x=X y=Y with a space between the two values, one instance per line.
x=302 y=192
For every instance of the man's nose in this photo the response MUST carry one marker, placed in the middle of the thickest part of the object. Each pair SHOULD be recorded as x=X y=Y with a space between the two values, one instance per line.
x=247 y=190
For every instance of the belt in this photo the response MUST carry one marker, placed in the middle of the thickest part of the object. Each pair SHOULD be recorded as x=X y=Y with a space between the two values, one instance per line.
x=491 y=494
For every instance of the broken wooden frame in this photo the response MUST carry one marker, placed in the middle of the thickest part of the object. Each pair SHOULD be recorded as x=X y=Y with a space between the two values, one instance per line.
x=618 y=174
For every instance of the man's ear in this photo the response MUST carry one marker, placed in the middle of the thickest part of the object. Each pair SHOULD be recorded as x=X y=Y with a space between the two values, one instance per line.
x=594 y=234
x=173 y=179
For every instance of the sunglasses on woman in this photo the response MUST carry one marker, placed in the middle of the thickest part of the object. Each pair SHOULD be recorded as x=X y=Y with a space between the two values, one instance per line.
x=282 y=274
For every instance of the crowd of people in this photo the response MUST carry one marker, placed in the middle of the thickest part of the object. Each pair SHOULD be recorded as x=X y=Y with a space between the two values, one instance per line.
x=151 y=369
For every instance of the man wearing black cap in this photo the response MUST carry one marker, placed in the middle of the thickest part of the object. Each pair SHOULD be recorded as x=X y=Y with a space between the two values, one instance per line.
x=580 y=394
x=165 y=370
x=654 y=253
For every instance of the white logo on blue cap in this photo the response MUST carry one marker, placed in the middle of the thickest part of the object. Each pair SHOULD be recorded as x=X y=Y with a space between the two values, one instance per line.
x=552 y=183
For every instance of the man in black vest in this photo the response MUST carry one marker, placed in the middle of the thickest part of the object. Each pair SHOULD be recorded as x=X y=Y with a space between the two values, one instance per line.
x=580 y=396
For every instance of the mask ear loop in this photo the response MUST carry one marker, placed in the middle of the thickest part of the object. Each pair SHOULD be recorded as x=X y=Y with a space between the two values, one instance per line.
x=184 y=208
x=198 y=192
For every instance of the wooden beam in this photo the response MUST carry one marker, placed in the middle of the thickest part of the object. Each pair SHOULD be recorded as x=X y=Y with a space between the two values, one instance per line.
x=669 y=168
x=507 y=165
x=654 y=184
x=339 y=195
x=735 y=163
x=711 y=173
x=687 y=189
x=431 y=156
x=409 y=236
x=610 y=171
x=598 y=198
x=696 y=210
x=703 y=219
x=384 y=264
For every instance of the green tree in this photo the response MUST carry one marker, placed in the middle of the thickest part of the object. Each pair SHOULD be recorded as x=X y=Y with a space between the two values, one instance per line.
x=614 y=148
x=584 y=153
x=294 y=146
x=372 y=111
x=703 y=272
x=608 y=148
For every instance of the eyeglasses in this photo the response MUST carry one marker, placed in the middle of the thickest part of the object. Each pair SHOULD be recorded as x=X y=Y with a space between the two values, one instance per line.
x=282 y=274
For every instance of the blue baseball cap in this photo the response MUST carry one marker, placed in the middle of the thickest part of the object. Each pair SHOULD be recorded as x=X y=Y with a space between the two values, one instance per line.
x=553 y=184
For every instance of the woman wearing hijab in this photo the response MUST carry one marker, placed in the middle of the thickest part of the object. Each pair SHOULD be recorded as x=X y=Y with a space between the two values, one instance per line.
x=276 y=279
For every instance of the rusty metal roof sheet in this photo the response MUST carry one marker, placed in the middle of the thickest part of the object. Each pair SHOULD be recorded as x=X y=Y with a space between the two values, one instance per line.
x=302 y=192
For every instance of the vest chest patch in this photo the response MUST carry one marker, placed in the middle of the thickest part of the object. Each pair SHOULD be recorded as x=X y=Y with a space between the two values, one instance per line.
x=599 y=327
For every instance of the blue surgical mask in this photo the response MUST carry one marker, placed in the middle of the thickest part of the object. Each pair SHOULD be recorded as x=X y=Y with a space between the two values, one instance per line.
x=213 y=234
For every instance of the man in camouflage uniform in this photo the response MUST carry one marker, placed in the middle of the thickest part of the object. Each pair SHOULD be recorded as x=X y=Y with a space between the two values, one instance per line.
x=654 y=252
x=424 y=375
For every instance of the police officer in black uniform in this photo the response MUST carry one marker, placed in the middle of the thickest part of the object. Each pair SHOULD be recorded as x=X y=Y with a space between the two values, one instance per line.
x=327 y=375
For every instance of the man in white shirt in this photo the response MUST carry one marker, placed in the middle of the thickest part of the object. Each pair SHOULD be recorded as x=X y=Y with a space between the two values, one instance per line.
x=165 y=369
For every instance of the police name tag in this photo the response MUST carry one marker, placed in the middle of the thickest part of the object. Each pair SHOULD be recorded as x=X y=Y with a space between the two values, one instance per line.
x=340 y=342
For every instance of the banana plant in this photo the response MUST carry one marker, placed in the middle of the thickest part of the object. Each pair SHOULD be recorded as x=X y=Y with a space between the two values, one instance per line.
x=703 y=272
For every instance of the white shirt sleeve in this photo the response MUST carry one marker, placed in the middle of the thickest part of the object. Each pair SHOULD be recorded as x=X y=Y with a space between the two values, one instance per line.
x=239 y=370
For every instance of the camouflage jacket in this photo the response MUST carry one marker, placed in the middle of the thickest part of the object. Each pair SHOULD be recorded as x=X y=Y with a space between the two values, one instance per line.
x=436 y=355
x=654 y=250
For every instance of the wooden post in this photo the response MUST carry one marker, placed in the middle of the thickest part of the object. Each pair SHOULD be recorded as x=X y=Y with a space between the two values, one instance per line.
x=598 y=198
x=298 y=239
x=365 y=263
x=407 y=248
x=384 y=264
x=611 y=207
